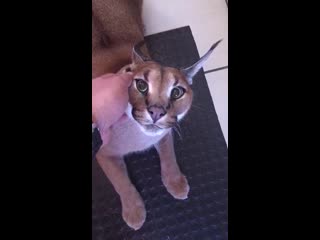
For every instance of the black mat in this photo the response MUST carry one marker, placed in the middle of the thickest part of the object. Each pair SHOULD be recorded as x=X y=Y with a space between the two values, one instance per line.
x=201 y=153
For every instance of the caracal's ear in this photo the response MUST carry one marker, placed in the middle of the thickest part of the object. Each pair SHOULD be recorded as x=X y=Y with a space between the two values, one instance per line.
x=137 y=55
x=190 y=72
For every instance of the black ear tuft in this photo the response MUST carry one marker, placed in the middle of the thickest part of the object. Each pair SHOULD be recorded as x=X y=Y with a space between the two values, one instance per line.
x=191 y=71
x=137 y=55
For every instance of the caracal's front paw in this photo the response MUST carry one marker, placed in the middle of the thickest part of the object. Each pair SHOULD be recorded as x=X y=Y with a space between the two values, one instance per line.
x=133 y=210
x=177 y=186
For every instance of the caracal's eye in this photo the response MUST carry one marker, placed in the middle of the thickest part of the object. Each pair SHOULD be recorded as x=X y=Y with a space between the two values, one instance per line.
x=142 y=86
x=177 y=93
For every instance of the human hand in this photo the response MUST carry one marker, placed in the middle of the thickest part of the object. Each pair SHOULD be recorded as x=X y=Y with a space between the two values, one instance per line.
x=109 y=100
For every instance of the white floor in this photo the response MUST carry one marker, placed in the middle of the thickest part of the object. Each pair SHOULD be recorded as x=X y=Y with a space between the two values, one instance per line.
x=208 y=20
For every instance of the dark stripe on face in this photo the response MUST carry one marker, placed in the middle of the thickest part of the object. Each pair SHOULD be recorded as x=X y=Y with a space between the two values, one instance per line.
x=161 y=77
x=145 y=74
x=176 y=80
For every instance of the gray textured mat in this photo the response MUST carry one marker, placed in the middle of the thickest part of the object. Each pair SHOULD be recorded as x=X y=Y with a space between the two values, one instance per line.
x=201 y=153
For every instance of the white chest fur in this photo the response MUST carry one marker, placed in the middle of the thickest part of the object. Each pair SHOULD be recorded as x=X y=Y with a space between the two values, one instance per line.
x=127 y=137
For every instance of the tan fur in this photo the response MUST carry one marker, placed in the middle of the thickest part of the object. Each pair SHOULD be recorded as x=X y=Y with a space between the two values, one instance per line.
x=116 y=28
x=126 y=136
x=160 y=80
